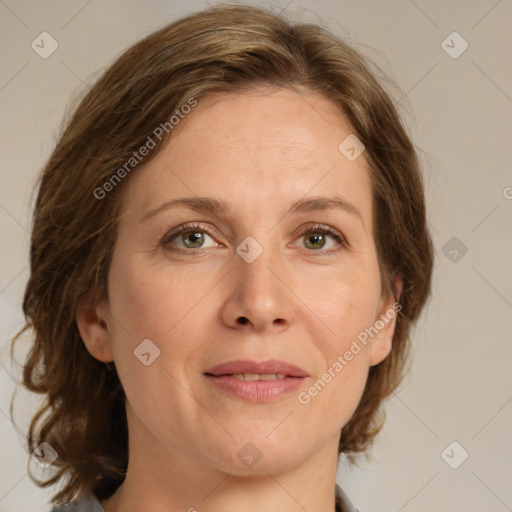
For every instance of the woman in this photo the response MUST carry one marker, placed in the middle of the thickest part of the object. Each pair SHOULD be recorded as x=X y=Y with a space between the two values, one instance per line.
x=229 y=250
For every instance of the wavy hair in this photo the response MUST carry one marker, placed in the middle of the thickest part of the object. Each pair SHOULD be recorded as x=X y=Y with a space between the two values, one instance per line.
x=227 y=48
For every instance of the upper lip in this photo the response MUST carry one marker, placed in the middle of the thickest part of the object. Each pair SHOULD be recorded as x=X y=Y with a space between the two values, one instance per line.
x=260 y=367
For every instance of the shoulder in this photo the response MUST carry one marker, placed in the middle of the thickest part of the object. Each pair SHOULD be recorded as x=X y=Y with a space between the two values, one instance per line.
x=88 y=503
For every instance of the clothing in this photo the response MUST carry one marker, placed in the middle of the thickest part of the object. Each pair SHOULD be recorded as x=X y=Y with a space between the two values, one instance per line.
x=343 y=504
x=91 y=504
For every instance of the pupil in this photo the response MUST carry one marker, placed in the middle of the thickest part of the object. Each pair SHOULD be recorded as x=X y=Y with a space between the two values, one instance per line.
x=315 y=239
x=193 y=238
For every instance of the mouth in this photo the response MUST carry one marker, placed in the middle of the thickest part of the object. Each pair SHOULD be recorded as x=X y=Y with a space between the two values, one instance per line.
x=248 y=367
x=259 y=376
x=257 y=382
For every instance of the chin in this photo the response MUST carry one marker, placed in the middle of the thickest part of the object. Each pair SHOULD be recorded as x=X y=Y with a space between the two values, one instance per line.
x=260 y=455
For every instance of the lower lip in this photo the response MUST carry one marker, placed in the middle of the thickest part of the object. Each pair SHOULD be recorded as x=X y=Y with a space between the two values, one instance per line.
x=257 y=391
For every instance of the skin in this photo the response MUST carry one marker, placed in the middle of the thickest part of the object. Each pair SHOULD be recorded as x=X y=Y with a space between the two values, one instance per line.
x=259 y=151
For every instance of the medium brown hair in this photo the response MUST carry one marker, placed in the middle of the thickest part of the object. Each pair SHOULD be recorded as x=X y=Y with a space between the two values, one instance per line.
x=227 y=48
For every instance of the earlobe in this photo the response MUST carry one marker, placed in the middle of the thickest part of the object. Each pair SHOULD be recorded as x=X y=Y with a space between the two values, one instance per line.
x=90 y=318
x=385 y=322
x=379 y=350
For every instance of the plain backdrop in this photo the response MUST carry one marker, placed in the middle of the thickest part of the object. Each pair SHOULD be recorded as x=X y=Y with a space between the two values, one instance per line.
x=457 y=400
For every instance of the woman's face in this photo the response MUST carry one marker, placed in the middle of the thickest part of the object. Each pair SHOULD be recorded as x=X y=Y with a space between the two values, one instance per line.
x=259 y=281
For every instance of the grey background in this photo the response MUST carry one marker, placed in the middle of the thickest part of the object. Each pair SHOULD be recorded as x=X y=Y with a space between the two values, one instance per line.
x=458 y=112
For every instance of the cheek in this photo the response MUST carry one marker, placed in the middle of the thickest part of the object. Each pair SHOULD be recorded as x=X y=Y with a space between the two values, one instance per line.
x=347 y=304
x=162 y=304
x=150 y=301
x=335 y=391
x=351 y=308
x=337 y=387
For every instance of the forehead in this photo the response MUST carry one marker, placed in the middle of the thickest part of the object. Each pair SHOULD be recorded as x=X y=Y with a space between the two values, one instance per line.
x=253 y=149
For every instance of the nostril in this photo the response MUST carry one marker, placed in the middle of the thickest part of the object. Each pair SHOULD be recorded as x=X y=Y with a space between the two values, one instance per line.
x=243 y=320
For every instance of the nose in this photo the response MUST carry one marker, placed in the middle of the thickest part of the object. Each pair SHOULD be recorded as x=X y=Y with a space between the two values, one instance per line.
x=258 y=297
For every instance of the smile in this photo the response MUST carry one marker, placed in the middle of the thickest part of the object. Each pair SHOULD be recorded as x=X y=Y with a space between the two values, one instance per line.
x=256 y=382
x=258 y=376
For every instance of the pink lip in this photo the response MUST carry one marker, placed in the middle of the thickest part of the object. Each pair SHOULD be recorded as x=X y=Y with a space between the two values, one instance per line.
x=257 y=391
x=249 y=366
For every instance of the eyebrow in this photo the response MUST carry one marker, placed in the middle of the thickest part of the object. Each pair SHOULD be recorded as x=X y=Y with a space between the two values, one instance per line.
x=315 y=204
x=218 y=207
x=198 y=204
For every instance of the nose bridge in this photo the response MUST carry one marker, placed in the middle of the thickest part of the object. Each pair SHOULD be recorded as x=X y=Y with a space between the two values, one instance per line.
x=254 y=268
x=257 y=296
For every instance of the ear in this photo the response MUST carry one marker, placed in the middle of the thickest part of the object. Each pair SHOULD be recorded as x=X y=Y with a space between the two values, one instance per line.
x=384 y=325
x=92 y=325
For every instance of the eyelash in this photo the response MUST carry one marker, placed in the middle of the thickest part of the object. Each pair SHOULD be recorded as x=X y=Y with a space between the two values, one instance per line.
x=316 y=228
